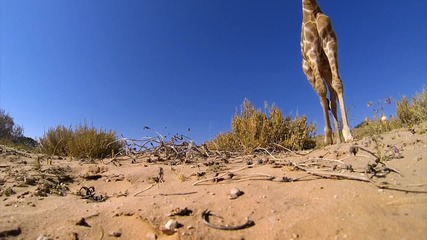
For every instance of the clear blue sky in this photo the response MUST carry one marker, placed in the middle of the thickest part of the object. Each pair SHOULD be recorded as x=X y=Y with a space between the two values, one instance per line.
x=190 y=63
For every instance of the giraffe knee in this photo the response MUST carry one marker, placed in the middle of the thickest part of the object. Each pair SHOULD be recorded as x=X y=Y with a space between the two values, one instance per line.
x=338 y=86
x=321 y=88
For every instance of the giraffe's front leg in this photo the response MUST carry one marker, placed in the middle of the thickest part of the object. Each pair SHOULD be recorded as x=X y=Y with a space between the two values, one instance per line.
x=330 y=48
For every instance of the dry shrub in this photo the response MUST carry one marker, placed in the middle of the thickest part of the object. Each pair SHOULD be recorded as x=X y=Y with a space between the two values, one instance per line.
x=252 y=128
x=82 y=142
x=56 y=141
x=413 y=112
x=408 y=113
x=369 y=128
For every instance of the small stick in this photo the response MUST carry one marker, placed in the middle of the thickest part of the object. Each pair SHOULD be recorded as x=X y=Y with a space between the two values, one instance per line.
x=399 y=189
x=145 y=189
x=205 y=220
x=289 y=150
x=222 y=175
x=330 y=160
x=325 y=175
x=258 y=148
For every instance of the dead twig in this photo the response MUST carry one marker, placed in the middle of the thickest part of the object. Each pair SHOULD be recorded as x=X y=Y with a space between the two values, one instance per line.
x=145 y=189
x=289 y=150
x=265 y=150
x=222 y=175
x=398 y=189
x=205 y=220
x=325 y=174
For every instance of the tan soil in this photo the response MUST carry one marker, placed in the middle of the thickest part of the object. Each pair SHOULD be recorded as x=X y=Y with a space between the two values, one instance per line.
x=312 y=208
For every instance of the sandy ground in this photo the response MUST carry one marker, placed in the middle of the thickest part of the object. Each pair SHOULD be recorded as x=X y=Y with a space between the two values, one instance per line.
x=308 y=208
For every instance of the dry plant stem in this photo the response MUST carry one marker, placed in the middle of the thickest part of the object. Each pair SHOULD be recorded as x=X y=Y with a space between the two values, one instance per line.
x=325 y=174
x=330 y=160
x=289 y=150
x=253 y=176
x=258 y=148
x=205 y=220
x=145 y=189
x=398 y=189
x=366 y=150
x=172 y=194
x=222 y=175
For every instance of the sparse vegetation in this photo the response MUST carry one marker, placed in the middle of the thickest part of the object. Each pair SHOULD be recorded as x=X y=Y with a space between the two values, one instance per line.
x=12 y=134
x=252 y=128
x=414 y=112
x=407 y=115
x=82 y=142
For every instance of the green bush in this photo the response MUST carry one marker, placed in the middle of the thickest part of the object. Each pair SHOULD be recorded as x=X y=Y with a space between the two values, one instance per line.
x=82 y=142
x=253 y=128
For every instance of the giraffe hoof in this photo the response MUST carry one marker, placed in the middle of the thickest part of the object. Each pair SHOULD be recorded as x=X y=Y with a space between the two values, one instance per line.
x=347 y=136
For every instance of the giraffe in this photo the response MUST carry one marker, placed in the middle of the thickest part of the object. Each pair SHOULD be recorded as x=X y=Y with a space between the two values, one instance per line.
x=319 y=50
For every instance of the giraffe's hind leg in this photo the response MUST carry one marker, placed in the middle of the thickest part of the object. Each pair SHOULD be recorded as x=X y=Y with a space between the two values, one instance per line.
x=326 y=72
x=317 y=82
x=330 y=48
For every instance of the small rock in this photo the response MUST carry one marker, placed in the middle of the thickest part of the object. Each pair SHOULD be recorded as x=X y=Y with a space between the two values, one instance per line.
x=115 y=234
x=30 y=181
x=151 y=236
x=235 y=193
x=295 y=236
x=43 y=237
x=171 y=225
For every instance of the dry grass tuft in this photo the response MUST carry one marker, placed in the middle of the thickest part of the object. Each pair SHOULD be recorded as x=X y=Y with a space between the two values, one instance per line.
x=414 y=112
x=82 y=142
x=252 y=128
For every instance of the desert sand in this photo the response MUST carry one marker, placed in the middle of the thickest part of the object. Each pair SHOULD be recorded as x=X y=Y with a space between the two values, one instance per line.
x=279 y=200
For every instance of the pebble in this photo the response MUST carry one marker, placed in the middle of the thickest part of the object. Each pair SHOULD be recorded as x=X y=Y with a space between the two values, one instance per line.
x=189 y=227
x=116 y=234
x=295 y=236
x=43 y=237
x=235 y=193
x=151 y=236
x=171 y=225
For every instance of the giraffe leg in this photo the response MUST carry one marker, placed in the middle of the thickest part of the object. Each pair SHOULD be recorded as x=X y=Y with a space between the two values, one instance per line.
x=330 y=47
x=333 y=101
x=319 y=86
